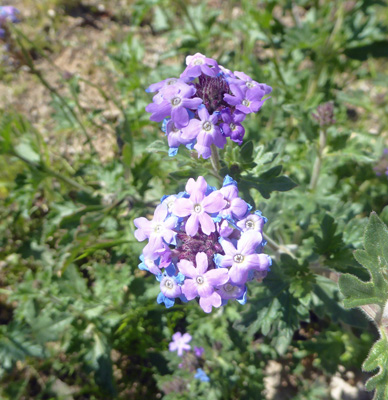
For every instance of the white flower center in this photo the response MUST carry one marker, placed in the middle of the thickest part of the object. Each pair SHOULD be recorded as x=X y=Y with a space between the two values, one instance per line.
x=238 y=258
x=198 y=61
x=158 y=228
x=171 y=82
x=250 y=84
x=176 y=101
x=169 y=284
x=170 y=204
x=200 y=280
x=232 y=126
x=246 y=103
x=207 y=126
x=197 y=208
x=249 y=225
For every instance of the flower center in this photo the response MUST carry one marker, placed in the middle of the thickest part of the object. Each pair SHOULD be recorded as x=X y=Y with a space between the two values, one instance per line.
x=232 y=126
x=171 y=82
x=200 y=280
x=158 y=228
x=169 y=284
x=176 y=101
x=250 y=84
x=238 y=258
x=228 y=288
x=197 y=208
x=207 y=126
x=246 y=103
x=198 y=61
x=249 y=224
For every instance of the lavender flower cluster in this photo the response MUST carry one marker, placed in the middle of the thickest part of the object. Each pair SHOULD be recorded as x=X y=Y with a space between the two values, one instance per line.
x=203 y=243
x=10 y=14
x=206 y=105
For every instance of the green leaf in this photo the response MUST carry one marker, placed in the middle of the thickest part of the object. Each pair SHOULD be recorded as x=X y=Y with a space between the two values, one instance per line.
x=358 y=293
x=375 y=260
x=378 y=359
x=267 y=182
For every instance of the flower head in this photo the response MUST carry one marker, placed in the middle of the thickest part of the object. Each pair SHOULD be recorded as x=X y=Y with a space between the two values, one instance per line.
x=206 y=105
x=203 y=244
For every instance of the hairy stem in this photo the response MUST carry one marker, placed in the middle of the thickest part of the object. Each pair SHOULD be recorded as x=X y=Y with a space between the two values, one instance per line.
x=215 y=161
x=318 y=160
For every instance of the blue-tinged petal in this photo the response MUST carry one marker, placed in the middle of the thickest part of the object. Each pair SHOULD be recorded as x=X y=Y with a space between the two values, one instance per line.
x=172 y=151
x=228 y=180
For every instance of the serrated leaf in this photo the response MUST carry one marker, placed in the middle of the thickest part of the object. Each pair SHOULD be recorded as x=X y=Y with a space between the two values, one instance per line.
x=374 y=259
x=378 y=359
x=358 y=293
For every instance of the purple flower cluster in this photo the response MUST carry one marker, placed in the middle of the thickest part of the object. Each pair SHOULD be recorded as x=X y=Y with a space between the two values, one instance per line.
x=206 y=105
x=203 y=243
x=10 y=14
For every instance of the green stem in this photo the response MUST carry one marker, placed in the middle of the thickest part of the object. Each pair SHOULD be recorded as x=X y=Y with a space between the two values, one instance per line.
x=45 y=168
x=318 y=160
x=215 y=161
x=191 y=21
x=277 y=247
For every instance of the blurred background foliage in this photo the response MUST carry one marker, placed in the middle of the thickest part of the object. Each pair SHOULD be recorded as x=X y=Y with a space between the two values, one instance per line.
x=80 y=160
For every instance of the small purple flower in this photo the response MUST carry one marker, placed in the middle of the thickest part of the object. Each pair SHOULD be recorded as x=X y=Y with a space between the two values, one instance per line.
x=198 y=351
x=9 y=13
x=254 y=222
x=158 y=229
x=201 y=375
x=246 y=80
x=198 y=207
x=175 y=104
x=201 y=282
x=180 y=343
x=245 y=100
x=229 y=292
x=231 y=125
x=198 y=64
x=243 y=258
x=235 y=207
x=206 y=132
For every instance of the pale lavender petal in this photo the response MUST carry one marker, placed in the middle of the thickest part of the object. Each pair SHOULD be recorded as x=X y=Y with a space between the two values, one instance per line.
x=207 y=303
x=239 y=207
x=187 y=268
x=228 y=247
x=201 y=262
x=209 y=71
x=180 y=116
x=159 y=111
x=237 y=91
x=248 y=242
x=189 y=289
x=186 y=337
x=229 y=192
x=205 y=289
x=217 y=277
x=203 y=150
x=227 y=261
x=192 y=130
x=203 y=114
x=214 y=202
x=218 y=139
x=192 y=225
x=160 y=213
x=193 y=104
x=207 y=224
x=238 y=275
x=242 y=76
x=182 y=207
x=233 y=101
x=251 y=261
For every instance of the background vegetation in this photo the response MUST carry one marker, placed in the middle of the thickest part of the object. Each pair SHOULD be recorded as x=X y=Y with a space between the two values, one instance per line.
x=79 y=160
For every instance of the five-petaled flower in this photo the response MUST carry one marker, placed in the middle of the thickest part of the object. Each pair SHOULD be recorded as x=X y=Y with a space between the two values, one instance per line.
x=180 y=343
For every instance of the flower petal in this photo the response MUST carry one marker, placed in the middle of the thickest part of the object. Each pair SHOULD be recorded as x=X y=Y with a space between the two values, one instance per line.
x=192 y=225
x=207 y=303
x=207 y=224
x=217 y=277
x=189 y=289
x=187 y=268
x=201 y=262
